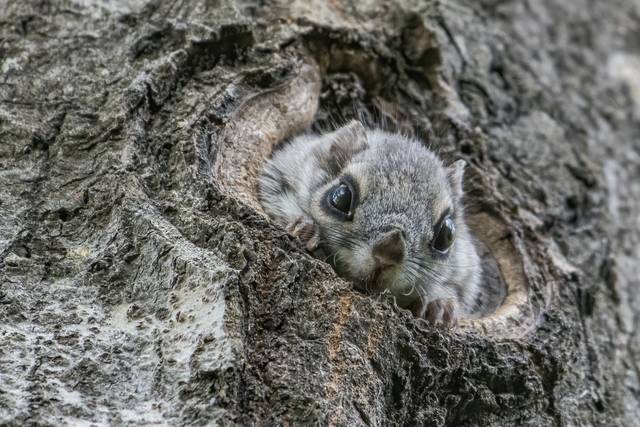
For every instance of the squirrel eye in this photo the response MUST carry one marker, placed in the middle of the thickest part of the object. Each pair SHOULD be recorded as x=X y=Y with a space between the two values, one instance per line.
x=445 y=236
x=340 y=198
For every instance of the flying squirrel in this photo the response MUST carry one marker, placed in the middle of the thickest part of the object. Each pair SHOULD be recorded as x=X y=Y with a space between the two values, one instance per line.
x=384 y=211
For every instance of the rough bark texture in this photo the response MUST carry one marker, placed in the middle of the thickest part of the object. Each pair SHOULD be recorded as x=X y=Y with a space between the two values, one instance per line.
x=141 y=283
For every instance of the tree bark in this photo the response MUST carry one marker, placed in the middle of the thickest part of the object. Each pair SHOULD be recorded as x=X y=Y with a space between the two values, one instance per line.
x=140 y=282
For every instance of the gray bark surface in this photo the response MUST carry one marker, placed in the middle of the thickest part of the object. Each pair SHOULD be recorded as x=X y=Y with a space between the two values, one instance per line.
x=141 y=284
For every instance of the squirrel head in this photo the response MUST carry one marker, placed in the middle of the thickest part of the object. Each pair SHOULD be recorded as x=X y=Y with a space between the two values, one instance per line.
x=390 y=213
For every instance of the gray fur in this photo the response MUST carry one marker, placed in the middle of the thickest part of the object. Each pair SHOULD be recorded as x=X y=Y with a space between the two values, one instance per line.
x=402 y=186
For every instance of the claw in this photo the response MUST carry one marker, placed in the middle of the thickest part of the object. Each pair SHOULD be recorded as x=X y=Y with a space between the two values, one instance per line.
x=305 y=229
x=440 y=312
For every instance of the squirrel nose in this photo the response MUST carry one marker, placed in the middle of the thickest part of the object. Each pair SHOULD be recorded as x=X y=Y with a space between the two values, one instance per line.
x=389 y=250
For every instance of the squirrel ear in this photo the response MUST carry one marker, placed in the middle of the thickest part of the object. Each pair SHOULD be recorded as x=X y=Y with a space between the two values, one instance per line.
x=347 y=141
x=455 y=173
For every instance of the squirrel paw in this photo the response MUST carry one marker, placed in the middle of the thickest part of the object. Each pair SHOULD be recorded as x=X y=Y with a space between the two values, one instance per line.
x=440 y=312
x=305 y=229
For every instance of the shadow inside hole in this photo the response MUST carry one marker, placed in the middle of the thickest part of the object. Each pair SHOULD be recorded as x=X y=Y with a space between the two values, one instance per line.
x=507 y=311
x=494 y=290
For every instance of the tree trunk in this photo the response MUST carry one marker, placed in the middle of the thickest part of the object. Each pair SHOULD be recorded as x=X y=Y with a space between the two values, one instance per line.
x=142 y=283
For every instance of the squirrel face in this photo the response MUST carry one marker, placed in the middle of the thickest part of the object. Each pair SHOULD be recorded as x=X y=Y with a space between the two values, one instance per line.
x=383 y=209
x=388 y=212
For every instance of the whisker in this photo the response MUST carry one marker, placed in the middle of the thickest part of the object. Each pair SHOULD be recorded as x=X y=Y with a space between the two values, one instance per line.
x=429 y=263
x=430 y=277
x=413 y=289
